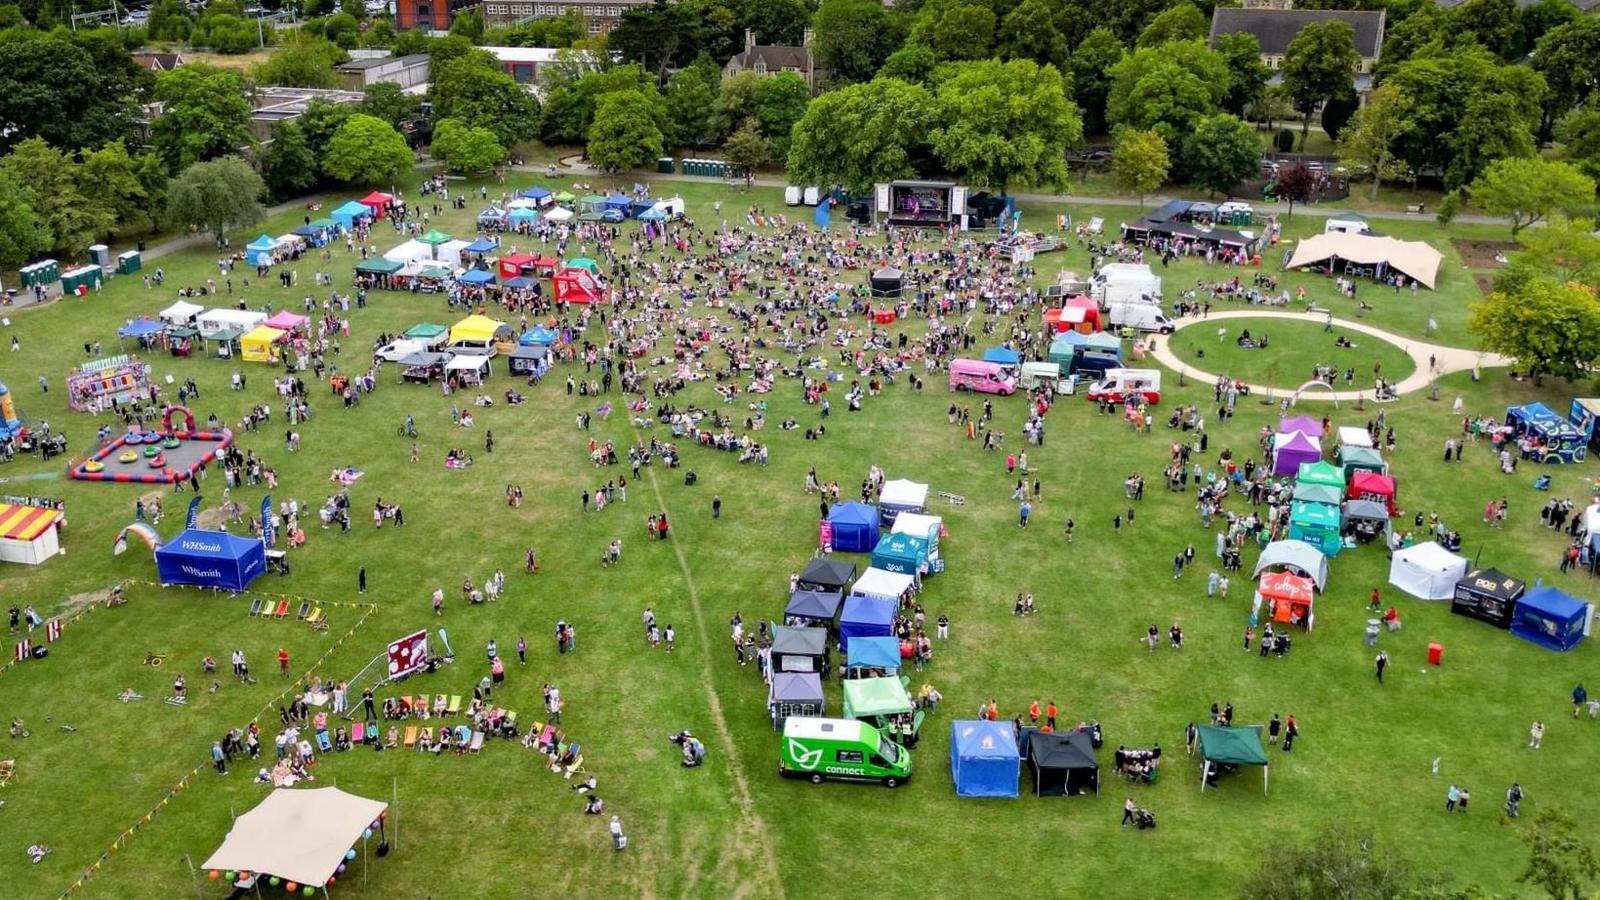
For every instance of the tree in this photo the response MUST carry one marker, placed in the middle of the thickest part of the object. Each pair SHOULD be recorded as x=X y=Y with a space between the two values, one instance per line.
x=1441 y=88
x=1091 y=67
x=853 y=38
x=53 y=89
x=1222 y=151
x=110 y=175
x=1560 y=859
x=169 y=21
x=1491 y=129
x=1029 y=32
x=1168 y=88
x=1319 y=64
x=747 y=150
x=1550 y=328
x=389 y=101
x=776 y=21
x=1295 y=184
x=469 y=24
x=998 y=122
x=1339 y=864
x=23 y=235
x=1368 y=142
x=1526 y=190
x=954 y=29
x=625 y=134
x=736 y=103
x=1182 y=22
x=1140 y=162
x=780 y=102
x=205 y=115
x=466 y=148
x=75 y=219
x=287 y=164
x=556 y=31
x=366 y=150
x=862 y=134
x=476 y=90
x=303 y=61
x=216 y=196
x=1569 y=59
x=1336 y=114
x=689 y=100
x=1493 y=23
x=1579 y=134
x=1536 y=20
x=912 y=63
x=572 y=99
x=1241 y=51
x=1567 y=250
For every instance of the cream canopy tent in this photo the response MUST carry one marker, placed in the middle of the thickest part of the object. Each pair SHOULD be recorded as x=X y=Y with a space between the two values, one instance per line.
x=1427 y=571
x=297 y=835
x=181 y=312
x=1414 y=259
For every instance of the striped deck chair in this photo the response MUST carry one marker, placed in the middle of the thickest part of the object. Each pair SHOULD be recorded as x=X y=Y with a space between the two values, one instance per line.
x=281 y=610
x=455 y=704
x=318 y=620
x=411 y=736
x=305 y=609
x=358 y=732
x=255 y=606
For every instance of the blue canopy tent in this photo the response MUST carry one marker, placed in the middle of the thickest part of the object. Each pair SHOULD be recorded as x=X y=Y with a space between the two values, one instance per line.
x=855 y=527
x=494 y=215
x=523 y=283
x=821 y=607
x=482 y=246
x=901 y=553
x=642 y=206
x=348 y=214
x=477 y=276
x=538 y=335
x=141 y=327
x=1550 y=618
x=316 y=237
x=620 y=203
x=652 y=215
x=213 y=559
x=873 y=653
x=1003 y=356
x=260 y=250
x=984 y=761
x=866 y=617
x=523 y=215
x=534 y=193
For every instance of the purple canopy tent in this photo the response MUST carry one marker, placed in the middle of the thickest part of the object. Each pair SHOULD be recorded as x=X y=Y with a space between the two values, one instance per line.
x=1292 y=449
x=1311 y=427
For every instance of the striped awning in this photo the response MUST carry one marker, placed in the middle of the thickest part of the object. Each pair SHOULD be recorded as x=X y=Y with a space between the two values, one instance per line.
x=24 y=523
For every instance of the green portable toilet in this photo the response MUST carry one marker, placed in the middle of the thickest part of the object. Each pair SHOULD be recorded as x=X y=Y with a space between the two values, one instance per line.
x=129 y=263
x=42 y=272
x=86 y=277
x=718 y=168
x=664 y=165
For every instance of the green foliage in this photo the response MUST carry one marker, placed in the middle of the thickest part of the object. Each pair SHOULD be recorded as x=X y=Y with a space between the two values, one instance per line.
x=1182 y=22
x=1319 y=65
x=1091 y=68
x=1168 y=88
x=735 y=104
x=1528 y=189
x=1569 y=59
x=390 y=102
x=954 y=29
x=862 y=134
x=1367 y=143
x=1492 y=23
x=853 y=38
x=344 y=30
x=1283 y=140
x=555 y=31
x=1339 y=864
x=476 y=90
x=320 y=120
x=301 y=61
x=170 y=21
x=1140 y=162
x=1029 y=31
x=469 y=24
x=780 y=102
x=912 y=63
x=746 y=149
x=216 y=196
x=287 y=164
x=1567 y=250
x=1336 y=114
x=223 y=28
x=1002 y=122
x=1440 y=89
x=775 y=21
x=625 y=133
x=1492 y=129
x=73 y=211
x=23 y=235
x=1449 y=208
x=205 y=115
x=465 y=148
x=665 y=35
x=1537 y=20
x=112 y=176
x=366 y=150
x=689 y=99
x=1579 y=134
x=1549 y=328
x=1222 y=151
x=571 y=105
x=381 y=34
x=1241 y=51
x=53 y=89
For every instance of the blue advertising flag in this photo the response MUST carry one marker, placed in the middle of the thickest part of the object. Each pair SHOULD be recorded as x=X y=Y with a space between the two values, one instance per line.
x=193 y=518
x=269 y=534
x=824 y=216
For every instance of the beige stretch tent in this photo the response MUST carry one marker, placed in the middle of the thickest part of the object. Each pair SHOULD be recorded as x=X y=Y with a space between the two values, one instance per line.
x=297 y=835
x=1414 y=259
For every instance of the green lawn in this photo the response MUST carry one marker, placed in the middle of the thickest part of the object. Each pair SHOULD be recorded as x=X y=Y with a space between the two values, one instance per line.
x=1294 y=350
x=497 y=824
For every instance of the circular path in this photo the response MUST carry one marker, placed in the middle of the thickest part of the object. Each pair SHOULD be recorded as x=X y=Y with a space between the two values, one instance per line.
x=1446 y=359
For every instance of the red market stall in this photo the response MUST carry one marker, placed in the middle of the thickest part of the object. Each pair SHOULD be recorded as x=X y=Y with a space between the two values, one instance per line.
x=1289 y=598
x=378 y=202
x=1375 y=487
x=1080 y=314
x=517 y=265
x=884 y=316
x=575 y=284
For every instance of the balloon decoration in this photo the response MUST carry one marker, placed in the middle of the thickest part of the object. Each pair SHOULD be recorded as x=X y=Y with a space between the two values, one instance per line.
x=366 y=834
x=275 y=881
x=308 y=890
x=229 y=876
x=215 y=875
x=291 y=887
x=341 y=868
x=331 y=880
x=350 y=854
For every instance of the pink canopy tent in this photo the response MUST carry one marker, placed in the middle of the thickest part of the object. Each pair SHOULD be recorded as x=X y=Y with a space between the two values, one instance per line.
x=1290 y=450
x=284 y=320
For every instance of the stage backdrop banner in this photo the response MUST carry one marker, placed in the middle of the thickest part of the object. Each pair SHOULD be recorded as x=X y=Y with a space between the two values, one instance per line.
x=408 y=654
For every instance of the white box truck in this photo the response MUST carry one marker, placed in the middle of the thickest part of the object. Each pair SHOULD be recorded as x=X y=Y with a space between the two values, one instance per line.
x=1138 y=315
x=1125 y=283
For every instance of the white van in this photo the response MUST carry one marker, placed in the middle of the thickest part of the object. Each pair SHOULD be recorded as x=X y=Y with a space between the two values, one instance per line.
x=791 y=196
x=1139 y=315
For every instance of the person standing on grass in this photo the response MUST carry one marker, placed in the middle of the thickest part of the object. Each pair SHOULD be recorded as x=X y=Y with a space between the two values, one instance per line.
x=1070 y=526
x=716 y=506
x=1291 y=730
x=361 y=580
x=1451 y=798
x=1580 y=698
x=1050 y=715
x=1536 y=734
x=438 y=601
x=1382 y=662
x=1023 y=511
x=671 y=637
x=1191 y=737
x=1274 y=727
x=283 y=661
x=1514 y=801
x=1128 y=809
x=218 y=758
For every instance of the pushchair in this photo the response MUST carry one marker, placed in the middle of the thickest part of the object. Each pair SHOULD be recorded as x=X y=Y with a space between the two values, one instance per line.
x=1542 y=483
x=1144 y=818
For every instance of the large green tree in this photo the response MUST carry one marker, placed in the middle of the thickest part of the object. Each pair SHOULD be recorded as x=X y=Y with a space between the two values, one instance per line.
x=466 y=148
x=1319 y=65
x=301 y=61
x=1579 y=134
x=1528 y=189
x=53 y=89
x=1367 y=143
x=1002 y=122
x=1029 y=31
x=853 y=38
x=1241 y=51
x=862 y=134
x=1181 y=22
x=204 y=115
x=23 y=234
x=113 y=177
x=216 y=196
x=1549 y=327
x=1569 y=59
x=1491 y=129
x=390 y=102
x=1222 y=151
x=954 y=29
x=1567 y=250
x=366 y=150
x=1492 y=23
x=1440 y=87
x=73 y=212
x=1140 y=162
x=287 y=164
x=689 y=98
x=781 y=100
x=1168 y=88
x=626 y=132
x=1091 y=67
x=572 y=98
x=476 y=90
x=1561 y=858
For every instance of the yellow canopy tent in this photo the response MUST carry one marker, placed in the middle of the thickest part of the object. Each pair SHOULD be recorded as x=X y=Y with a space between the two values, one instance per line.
x=261 y=344
x=476 y=330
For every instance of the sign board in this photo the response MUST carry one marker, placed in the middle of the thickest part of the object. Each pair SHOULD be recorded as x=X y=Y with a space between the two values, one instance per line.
x=408 y=654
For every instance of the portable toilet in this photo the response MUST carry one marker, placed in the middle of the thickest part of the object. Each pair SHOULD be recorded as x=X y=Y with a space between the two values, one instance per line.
x=129 y=263
x=100 y=255
x=664 y=165
x=42 y=272
x=87 y=278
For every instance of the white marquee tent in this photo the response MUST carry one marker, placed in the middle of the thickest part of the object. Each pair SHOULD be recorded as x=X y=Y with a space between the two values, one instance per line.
x=1427 y=571
x=297 y=835
x=1413 y=259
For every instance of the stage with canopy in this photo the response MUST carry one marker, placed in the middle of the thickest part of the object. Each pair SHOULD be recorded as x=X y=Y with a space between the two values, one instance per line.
x=300 y=835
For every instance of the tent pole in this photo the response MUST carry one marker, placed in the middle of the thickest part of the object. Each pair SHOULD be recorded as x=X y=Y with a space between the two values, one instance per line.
x=1264 y=776
x=394 y=802
x=193 y=876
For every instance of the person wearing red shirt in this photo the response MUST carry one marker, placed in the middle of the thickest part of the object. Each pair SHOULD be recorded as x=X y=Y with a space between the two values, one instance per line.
x=1050 y=714
x=1033 y=713
x=283 y=662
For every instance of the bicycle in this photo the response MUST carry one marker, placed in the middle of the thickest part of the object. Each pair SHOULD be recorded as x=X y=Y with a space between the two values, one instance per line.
x=154 y=660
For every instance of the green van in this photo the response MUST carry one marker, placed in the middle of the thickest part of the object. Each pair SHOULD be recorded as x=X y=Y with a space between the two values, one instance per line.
x=842 y=749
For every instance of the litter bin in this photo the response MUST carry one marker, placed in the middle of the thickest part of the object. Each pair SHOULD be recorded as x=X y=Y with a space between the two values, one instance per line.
x=1372 y=632
x=664 y=165
x=1435 y=654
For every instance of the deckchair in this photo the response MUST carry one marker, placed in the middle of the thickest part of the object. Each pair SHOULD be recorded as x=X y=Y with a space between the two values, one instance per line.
x=419 y=705
x=411 y=736
x=358 y=732
x=255 y=606
x=440 y=704
x=577 y=766
x=281 y=610
x=318 y=620
x=305 y=609
x=455 y=704
x=477 y=742
x=8 y=771
x=323 y=742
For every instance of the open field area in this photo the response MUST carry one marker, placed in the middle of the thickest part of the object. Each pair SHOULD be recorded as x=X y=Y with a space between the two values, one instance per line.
x=499 y=824
x=1293 y=353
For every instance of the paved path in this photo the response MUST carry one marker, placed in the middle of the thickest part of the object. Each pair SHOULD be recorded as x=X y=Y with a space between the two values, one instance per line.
x=1446 y=359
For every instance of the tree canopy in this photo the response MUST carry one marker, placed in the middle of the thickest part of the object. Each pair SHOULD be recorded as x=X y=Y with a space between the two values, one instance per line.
x=862 y=134
x=998 y=122
x=366 y=150
x=216 y=196
x=1140 y=161
x=625 y=133
x=205 y=115
x=1528 y=189
x=1222 y=151
x=1319 y=65
x=51 y=88
x=466 y=148
x=1549 y=327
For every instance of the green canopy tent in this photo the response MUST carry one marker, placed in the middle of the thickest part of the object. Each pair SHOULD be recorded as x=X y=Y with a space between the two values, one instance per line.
x=874 y=698
x=1318 y=524
x=566 y=197
x=1323 y=473
x=1361 y=459
x=433 y=239
x=1239 y=746
x=1318 y=493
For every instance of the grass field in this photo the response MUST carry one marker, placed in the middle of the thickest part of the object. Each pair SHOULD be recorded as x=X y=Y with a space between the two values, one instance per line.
x=1293 y=351
x=497 y=824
